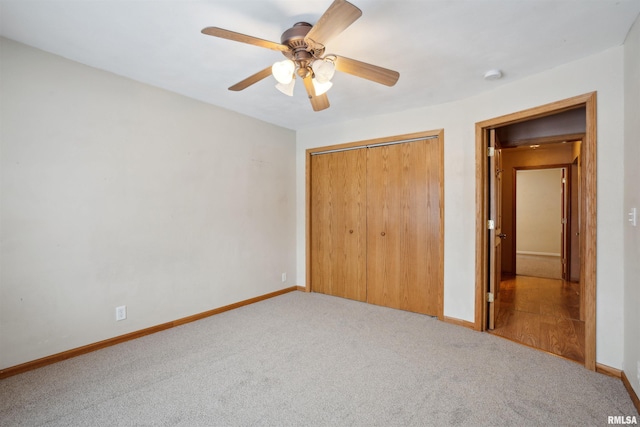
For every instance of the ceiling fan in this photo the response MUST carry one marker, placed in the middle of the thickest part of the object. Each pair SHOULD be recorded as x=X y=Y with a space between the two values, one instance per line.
x=304 y=47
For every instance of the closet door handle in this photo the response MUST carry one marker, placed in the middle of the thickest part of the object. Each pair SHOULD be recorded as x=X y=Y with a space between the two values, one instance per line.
x=382 y=234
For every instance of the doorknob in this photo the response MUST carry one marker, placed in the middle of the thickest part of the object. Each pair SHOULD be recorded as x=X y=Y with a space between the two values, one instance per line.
x=502 y=236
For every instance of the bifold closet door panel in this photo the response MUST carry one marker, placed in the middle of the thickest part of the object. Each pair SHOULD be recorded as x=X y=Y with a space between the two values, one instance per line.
x=338 y=224
x=404 y=265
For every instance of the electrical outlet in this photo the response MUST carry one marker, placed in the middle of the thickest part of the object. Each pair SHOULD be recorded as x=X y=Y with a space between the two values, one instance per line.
x=284 y=277
x=121 y=312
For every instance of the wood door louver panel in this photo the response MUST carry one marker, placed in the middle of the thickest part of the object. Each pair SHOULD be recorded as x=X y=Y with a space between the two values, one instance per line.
x=338 y=238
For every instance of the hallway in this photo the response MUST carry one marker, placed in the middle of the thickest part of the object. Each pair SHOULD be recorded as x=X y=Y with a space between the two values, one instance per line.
x=541 y=313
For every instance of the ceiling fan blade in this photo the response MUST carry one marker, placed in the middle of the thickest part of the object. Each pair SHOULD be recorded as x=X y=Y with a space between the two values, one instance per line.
x=333 y=21
x=251 y=79
x=243 y=38
x=367 y=71
x=318 y=103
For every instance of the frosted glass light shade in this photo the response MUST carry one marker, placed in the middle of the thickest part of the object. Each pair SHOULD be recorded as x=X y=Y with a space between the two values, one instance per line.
x=323 y=70
x=287 y=89
x=283 y=71
x=321 y=88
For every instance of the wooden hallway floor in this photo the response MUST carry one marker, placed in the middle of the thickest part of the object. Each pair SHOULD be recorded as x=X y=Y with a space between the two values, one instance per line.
x=541 y=313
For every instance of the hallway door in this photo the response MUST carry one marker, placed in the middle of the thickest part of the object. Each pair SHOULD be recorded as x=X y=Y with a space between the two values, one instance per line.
x=495 y=234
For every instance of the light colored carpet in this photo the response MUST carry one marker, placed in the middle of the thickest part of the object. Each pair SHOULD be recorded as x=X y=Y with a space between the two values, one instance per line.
x=313 y=360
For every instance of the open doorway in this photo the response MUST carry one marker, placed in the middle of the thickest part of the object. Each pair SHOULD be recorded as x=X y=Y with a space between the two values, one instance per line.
x=488 y=180
x=537 y=303
x=540 y=210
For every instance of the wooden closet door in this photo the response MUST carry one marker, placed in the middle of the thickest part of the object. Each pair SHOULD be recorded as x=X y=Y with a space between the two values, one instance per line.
x=338 y=224
x=404 y=214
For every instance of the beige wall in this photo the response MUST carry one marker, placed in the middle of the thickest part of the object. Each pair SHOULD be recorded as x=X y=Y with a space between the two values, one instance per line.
x=631 y=166
x=118 y=193
x=523 y=158
x=539 y=211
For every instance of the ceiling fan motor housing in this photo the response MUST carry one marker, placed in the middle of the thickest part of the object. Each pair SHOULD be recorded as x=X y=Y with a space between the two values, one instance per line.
x=301 y=53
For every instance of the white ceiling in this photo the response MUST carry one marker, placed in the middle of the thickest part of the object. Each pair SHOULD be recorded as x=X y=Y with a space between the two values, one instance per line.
x=442 y=48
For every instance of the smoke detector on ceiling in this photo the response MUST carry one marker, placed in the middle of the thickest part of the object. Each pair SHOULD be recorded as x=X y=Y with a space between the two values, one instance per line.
x=493 y=75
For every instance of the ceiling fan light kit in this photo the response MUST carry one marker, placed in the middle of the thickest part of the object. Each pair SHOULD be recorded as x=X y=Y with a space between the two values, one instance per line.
x=324 y=69
x=283 y=71
x=287 y=89
x=321 y=88
x=303 y=45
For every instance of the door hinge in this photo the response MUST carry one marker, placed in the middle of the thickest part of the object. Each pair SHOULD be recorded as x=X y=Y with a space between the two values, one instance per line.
x=489 y=296
x=491 y=151
x=491 y=225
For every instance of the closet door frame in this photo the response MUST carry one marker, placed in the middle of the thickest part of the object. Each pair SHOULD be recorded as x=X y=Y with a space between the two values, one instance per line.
x=438 y=133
